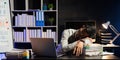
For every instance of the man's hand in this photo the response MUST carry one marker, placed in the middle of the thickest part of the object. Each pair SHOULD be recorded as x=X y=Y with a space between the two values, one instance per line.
x=78 y=48
x=92 y=40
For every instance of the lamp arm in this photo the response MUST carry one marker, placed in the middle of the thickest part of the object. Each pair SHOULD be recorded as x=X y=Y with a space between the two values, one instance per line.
x=114 y=29
x=116 y=37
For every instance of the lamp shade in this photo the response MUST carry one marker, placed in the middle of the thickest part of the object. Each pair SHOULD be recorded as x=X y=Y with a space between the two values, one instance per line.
x=105 y=25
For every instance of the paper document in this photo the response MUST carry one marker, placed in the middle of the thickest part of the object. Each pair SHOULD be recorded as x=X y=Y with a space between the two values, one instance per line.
x=6 y=41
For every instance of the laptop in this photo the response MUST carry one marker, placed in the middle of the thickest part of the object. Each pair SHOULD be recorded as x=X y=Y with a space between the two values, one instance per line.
x=44 y=47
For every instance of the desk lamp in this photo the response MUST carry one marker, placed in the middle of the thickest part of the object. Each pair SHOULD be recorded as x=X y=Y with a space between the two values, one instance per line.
x=106 y=25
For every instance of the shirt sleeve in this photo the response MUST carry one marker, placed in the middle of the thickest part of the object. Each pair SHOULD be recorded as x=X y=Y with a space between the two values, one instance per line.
x=64 y=41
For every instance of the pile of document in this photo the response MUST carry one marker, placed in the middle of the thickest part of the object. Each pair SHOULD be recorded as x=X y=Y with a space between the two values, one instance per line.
x=93 y=50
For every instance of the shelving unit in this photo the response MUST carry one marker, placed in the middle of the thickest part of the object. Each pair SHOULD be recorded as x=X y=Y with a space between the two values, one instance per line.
x=33 y=19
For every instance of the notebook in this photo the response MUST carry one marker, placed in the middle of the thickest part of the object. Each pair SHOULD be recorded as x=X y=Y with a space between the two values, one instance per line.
x=44 y=47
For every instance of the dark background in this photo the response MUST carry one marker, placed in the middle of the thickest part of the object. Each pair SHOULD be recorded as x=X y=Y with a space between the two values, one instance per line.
x=84 y=10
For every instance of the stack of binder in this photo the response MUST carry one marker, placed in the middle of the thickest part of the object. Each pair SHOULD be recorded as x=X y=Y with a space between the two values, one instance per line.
x=39 y=18
x=106 y=37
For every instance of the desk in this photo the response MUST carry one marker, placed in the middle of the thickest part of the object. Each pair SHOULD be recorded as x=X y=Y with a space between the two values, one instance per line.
x=110 y=45
x=90 y=57
x=111 y=56
x=112 y=48
x=108 y=56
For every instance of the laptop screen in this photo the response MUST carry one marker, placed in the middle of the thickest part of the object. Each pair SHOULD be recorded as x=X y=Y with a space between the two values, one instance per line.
x=6 y=39
x=43 y=47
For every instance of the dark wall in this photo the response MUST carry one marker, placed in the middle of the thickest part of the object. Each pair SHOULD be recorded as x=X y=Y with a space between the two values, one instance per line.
x=98 y=10
x=90 y=9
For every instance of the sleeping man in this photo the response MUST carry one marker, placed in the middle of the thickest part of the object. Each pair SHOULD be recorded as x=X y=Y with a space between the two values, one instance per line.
x=72 y=40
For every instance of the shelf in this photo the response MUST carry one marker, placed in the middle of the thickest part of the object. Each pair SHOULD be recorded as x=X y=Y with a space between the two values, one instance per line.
x=31 y=26
x=50 y=10
x=22 y=45
x=18 y=26
x=22 y=42
x=33 y=21
x=22 y=11
x=49 y=26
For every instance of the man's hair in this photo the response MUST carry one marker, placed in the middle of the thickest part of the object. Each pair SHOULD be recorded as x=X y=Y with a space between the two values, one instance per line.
x=87 y=31
x=91 y=30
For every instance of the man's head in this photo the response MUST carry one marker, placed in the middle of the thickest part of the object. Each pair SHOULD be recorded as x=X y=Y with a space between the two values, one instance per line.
x=85 y=31
x=91 y=30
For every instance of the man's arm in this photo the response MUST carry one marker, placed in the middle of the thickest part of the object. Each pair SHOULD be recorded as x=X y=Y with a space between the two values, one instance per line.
x=64 y=41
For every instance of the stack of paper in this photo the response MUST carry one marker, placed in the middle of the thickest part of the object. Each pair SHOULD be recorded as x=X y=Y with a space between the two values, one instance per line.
x=94 y=50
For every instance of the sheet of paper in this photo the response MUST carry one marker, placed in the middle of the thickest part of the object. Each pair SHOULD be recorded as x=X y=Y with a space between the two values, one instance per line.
x=6 y=41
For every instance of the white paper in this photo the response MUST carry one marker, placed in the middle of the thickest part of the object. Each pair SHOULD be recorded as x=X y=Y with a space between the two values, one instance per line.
x=6 y=39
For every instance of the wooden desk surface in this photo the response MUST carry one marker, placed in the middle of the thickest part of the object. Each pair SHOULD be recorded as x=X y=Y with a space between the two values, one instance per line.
x=110 y=45
x=111 y=56
x=108 y=56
